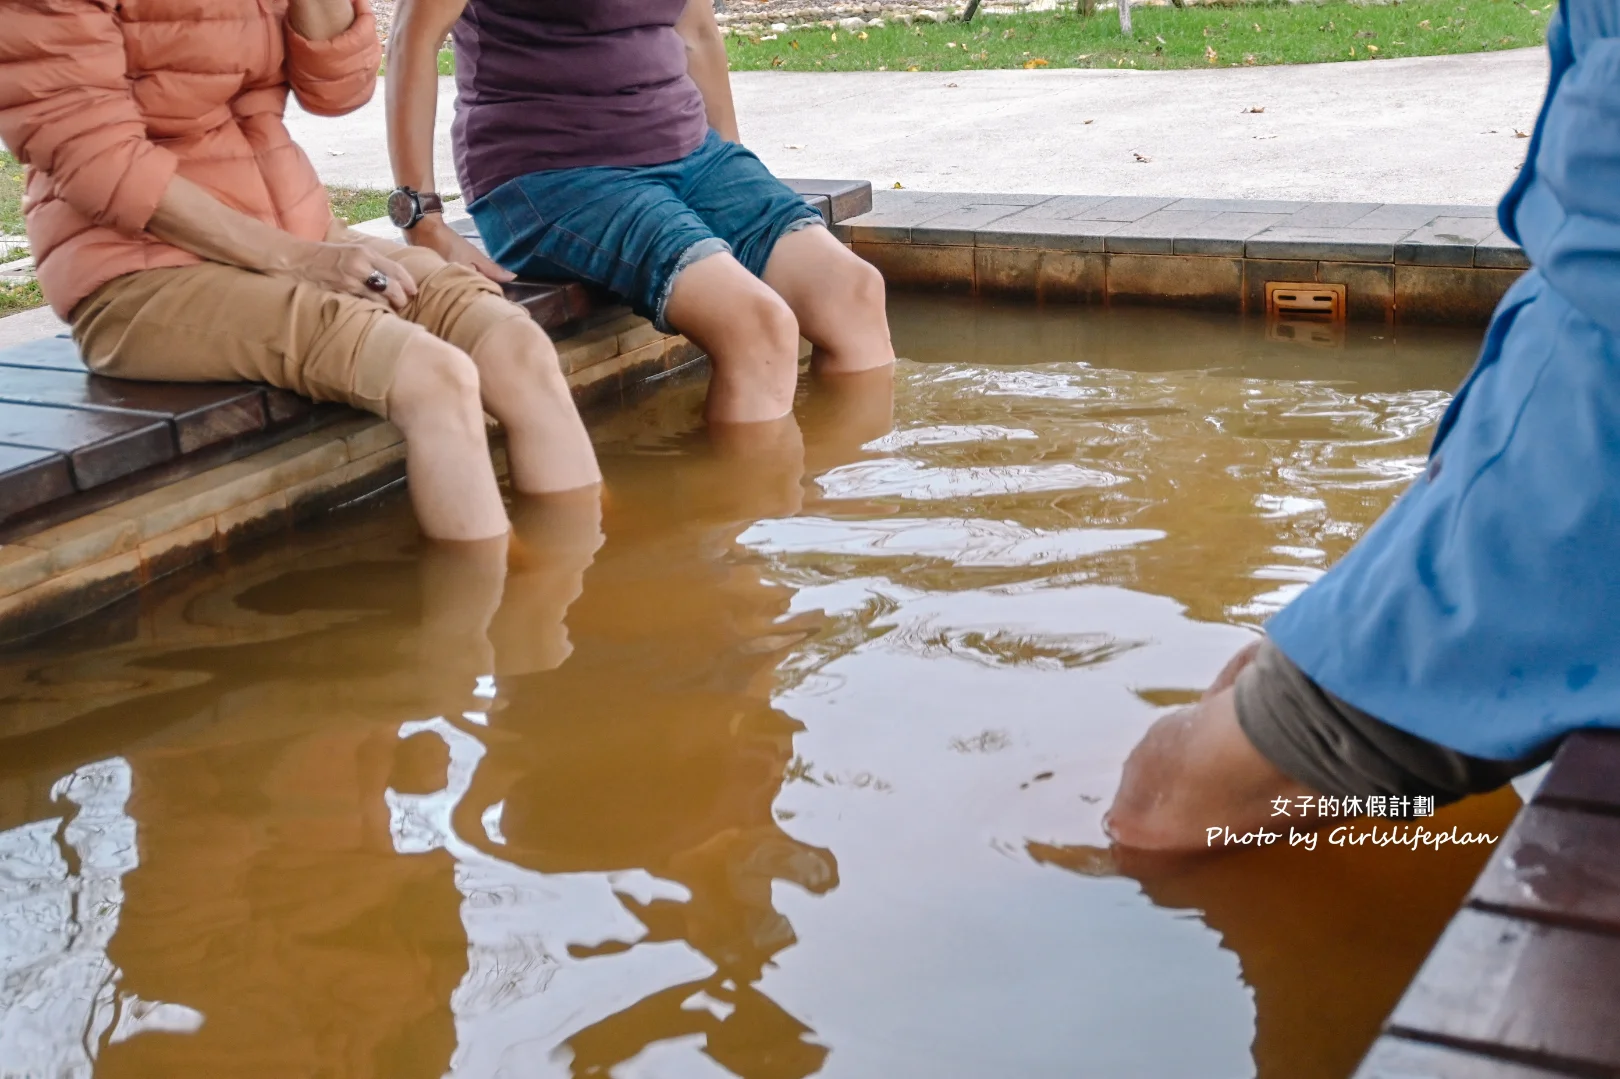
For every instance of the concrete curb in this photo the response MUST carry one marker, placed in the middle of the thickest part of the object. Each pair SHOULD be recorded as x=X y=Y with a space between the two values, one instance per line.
x=1398 y=262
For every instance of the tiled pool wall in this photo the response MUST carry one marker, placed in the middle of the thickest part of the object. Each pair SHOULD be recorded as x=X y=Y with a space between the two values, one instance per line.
x=1399 y=262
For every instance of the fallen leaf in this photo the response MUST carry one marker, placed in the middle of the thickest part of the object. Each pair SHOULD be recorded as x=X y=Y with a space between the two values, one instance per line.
x=1143 y=158
x=1210 y=54
x=791 y=146
x=337 y=153
x=1520 y=134
x=913 y=68
x=897 y=186
x=1255 y=108
x=1424 y=25
x=833 y=38
x=950 y=44
x=776 y=61
x=1249 y=61
x=1257 y=29
x=861 y=35
x=1084 y=56
x=1092 y=120
x=950 y=86
x=793 y=44
x=1373 y=49
x=1037 y=62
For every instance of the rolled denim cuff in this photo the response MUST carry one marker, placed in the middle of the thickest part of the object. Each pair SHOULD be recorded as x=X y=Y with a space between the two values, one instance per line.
x=702 y=249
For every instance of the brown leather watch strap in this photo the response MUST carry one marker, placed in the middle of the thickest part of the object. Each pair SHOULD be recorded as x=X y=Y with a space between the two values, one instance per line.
x=429 y=203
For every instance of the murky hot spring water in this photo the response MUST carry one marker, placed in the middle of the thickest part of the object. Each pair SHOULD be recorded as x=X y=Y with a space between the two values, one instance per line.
x=800 y=773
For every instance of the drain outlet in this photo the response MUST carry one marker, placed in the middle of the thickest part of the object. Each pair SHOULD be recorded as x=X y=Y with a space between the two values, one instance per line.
x=1294 y=300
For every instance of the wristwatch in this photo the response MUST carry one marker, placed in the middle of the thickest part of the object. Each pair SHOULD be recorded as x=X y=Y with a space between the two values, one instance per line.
x=406 y=206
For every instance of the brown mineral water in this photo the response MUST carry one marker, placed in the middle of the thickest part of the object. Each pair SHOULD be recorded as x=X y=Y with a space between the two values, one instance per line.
x=798 y=771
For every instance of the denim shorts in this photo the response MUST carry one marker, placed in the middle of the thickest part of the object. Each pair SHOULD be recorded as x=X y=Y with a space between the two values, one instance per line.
x=633 y=230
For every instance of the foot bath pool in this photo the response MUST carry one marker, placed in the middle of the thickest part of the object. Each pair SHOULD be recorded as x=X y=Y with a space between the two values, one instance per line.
x=789 y=761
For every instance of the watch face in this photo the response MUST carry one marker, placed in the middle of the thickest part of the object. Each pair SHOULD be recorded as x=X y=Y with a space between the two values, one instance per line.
x=402 y=208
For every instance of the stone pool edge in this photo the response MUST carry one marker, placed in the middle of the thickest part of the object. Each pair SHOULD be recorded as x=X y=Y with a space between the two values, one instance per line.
x=75 y=568
x=1399 y=262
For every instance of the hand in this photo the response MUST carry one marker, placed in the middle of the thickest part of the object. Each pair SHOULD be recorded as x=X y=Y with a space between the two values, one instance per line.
x=344 y=267
x=432 y=233
x=320 y=20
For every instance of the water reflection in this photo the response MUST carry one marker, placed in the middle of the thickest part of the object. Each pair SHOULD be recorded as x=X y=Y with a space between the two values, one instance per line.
x=786 y=762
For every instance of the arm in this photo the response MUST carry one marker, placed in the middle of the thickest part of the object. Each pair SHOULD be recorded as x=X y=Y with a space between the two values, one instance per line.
x=706 y=62
x=413 y=106
x=66 y=110
x=188 y=217
x=332 y=54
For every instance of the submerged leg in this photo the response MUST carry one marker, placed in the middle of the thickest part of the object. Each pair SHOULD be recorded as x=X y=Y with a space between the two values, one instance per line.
x=837 y=297
x=749 y=333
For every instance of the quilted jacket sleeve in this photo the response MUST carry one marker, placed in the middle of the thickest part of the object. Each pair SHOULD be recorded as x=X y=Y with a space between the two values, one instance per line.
x=338 y=75
x=66 y=110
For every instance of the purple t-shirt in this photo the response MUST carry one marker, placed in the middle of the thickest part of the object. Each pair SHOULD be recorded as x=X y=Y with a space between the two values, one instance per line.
x=559 y=84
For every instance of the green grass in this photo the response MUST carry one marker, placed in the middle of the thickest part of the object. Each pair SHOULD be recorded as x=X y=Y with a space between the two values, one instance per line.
x=1163 y=37
x=11 y=192
x=14 y=298
x=352 y=205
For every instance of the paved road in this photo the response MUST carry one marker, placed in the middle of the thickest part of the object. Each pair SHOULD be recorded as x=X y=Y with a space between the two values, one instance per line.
x=1428 y=129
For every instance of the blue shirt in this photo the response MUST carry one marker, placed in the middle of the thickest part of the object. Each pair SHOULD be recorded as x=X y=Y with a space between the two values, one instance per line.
x=1482 y=612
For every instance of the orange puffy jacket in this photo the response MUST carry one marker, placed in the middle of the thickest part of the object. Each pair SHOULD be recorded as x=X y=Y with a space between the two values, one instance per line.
x=105 y=100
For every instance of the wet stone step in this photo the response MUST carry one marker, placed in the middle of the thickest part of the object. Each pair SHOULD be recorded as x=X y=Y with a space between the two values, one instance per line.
x=202 y=414
x=1558 y=865
x=31 y=477
x=1501 y=986
x=1397 y=1058
x=51 y=353
x=100 y=446
x=1585 y=774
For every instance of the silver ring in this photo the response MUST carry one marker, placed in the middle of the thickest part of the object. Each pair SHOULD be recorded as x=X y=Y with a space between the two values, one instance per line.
x=377 y=281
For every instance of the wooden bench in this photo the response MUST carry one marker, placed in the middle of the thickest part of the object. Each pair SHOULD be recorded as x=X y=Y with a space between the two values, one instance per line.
x=71 y=442
x=1525 y=982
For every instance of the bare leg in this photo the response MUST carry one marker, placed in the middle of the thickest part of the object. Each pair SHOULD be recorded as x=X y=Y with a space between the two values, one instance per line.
x=461 y=590
x=523 y=386
x=555 y=539
x=838 y=299
x=845 y=412
x=435 y=402
x=750 y=335
x=761 y=469
x=1194 y=770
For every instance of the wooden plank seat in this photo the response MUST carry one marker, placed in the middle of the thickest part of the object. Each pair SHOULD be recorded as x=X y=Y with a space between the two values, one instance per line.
x=66 y=434
x=1526 y=980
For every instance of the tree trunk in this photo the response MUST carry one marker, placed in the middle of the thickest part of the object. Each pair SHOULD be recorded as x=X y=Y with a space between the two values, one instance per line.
x=1085 y=7
x=1125 y=17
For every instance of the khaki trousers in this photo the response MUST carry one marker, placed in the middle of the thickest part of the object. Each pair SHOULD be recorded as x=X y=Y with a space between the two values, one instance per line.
x=219 y=323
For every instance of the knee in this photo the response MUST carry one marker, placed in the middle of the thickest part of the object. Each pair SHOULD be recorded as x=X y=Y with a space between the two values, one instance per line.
x=763 y=318
x=520 y=343
x=435 y=381
x=862 y=286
